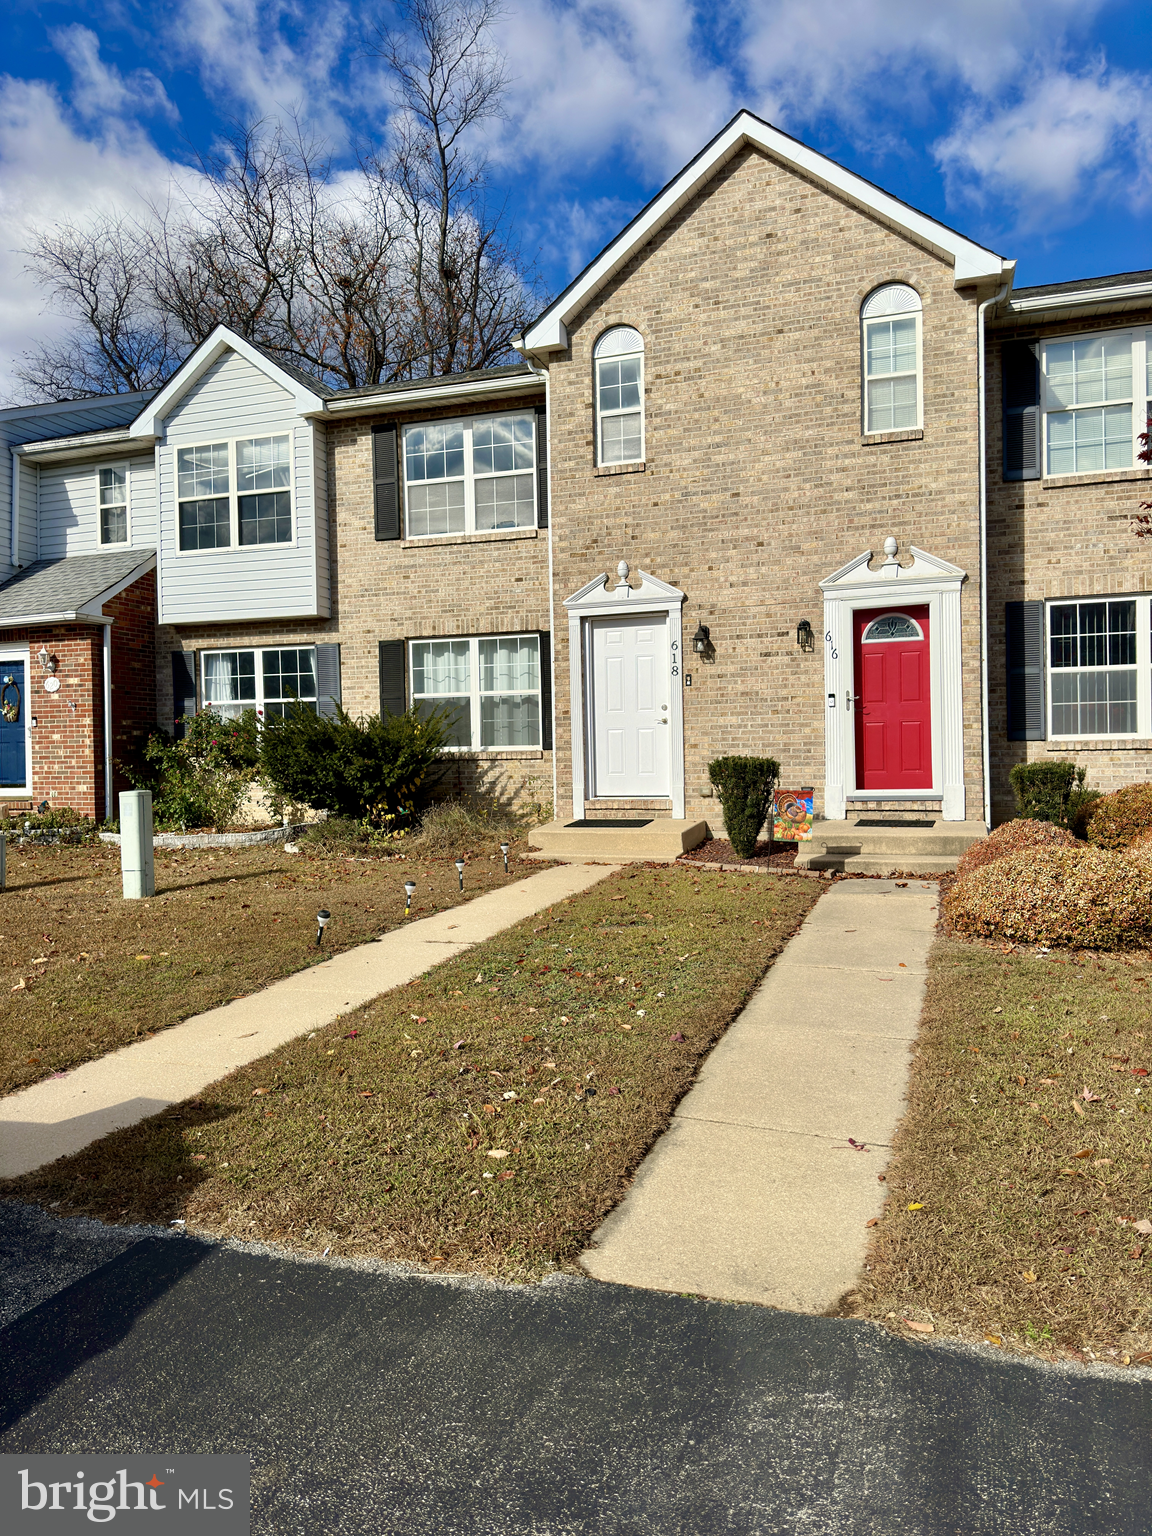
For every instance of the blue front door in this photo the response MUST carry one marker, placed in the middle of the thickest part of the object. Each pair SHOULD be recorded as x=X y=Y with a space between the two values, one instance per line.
x=12 y=747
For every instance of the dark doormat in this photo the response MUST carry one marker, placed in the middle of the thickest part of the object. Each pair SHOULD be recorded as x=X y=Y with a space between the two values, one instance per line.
x=918 y=824
x=587 y=823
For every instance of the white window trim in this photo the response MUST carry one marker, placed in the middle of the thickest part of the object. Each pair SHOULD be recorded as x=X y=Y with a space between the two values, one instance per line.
x=601 y=416
x=917 y=315
x=475 y=694
x=126 y=542
x=24 y=654
x=1141 y=341
x=470 y=477
x=258 y=651
x=1143 y=667
x=234 y=545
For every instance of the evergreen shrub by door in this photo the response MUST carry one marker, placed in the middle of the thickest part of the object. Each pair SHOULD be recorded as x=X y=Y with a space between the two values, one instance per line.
x=745 y=786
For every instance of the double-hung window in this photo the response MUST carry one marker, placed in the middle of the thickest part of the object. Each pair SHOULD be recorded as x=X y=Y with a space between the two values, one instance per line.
x=477 y=475
x=268 y=681
x=113 y=484
x=235 y=493
x=618 y=360
x=1099 y=676
x=1096 y=392
x=487 y=685
x=892 y=345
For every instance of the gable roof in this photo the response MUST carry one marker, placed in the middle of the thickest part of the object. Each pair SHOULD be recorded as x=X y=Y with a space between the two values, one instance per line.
x=972 y=263
x=308 y=394
x=72 y=588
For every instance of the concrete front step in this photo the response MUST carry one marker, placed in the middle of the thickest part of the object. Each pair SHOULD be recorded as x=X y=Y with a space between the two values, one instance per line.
x=661 y=840
x=849 y=848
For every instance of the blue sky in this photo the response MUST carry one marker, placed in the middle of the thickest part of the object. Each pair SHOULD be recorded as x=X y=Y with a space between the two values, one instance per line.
x=1026 y=125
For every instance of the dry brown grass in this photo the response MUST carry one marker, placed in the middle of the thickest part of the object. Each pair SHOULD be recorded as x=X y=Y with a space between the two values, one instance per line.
x=563 y=1043
x=1022 y=1183
x=89 y=972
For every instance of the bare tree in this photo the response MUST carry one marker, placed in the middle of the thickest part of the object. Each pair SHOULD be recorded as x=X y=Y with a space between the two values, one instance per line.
x=390 y=270
x=1142 y=523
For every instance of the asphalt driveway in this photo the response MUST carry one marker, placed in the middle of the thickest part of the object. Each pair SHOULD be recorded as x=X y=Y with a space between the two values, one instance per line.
x=374 y=1403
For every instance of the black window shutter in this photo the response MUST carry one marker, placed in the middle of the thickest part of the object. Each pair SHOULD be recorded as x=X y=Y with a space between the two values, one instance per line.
x=385 y=482
x=327 y=679
x=393 y=689
x=183 y=688
x=541 y=466
x=546 y=690
x=1020 y=371
x=1027 y=703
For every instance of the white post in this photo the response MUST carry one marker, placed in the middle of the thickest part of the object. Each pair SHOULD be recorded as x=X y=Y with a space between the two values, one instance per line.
x=136 y=863
x=3 y=860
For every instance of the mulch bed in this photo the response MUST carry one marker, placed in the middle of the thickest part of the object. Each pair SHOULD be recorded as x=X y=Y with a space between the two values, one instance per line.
x=780 y=858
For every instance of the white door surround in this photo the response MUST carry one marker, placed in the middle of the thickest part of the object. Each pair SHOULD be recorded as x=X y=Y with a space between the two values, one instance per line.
x=629 y=715
x=594 y=602
x=927 y=580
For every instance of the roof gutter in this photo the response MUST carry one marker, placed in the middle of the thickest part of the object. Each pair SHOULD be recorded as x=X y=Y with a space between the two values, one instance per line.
x=63 y=616
x=473 y=389
x=1135 y=294
x=982 y=435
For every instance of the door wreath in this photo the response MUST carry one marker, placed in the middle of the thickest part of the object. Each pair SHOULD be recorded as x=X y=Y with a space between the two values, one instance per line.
x=10 y=710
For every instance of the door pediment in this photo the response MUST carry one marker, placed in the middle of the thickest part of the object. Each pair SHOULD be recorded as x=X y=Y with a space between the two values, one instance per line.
x=597 y=598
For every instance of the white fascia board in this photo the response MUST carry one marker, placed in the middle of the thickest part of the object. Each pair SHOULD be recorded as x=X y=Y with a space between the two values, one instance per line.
x=1136 y=295
x=150 y=421
x=95 y=445
x=46 y=407
x=471 y=389
x=62 y=616
x=972 y=263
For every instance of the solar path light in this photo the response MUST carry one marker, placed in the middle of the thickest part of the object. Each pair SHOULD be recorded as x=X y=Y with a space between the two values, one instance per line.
x=504 y=850
x=409 y=892
x=460 y=871
x=323 y=918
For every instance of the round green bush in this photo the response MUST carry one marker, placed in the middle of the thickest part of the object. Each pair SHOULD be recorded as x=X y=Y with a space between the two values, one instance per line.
x=1011 y=837
x=1121 y=817
x=1079 y=896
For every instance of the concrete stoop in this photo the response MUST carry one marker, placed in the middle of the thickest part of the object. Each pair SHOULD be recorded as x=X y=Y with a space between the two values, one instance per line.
x=661 y=840
x=846 y=847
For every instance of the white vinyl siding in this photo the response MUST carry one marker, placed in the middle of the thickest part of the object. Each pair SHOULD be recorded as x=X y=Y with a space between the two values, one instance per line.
x=489 y=685
x=1095 y=401
x=70 y=506
x=474 y=475
x=234 y=401
x=1100 y=667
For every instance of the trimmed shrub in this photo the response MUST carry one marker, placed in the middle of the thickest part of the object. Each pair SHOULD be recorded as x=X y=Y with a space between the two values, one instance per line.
x=1044 y=790
x=1078 y=896
x=744 y=785
x=200 y=780
x=1012 y=837
x=372 y=769
x=1081 y=805
x=1140 y=852
x=1121 y=817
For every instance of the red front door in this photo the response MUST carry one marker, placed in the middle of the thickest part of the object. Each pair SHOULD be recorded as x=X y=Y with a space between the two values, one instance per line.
x=893 y=706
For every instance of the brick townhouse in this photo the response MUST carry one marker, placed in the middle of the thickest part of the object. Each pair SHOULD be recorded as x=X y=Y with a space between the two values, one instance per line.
x=790 y=469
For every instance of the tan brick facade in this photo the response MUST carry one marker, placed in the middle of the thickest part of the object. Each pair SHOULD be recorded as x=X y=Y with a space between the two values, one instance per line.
x=758 y=483
x=1056 y=537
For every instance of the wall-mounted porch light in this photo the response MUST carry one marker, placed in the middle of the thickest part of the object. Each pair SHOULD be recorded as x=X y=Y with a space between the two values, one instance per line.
x=47 y=662
x=805 y=638
x=701 y=640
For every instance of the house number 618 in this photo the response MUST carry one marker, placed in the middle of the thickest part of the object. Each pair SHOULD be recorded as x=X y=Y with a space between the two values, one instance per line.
x=675 y=658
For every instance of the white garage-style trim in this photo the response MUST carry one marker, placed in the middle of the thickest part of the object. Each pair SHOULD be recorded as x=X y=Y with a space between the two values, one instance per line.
x=927 y=580
x=595 y=601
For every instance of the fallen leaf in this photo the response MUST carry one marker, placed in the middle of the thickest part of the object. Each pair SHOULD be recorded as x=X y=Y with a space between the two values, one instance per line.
x=199 y=1157
x=1102 y=1162
x=919 y=1327
x=139 y=957
x=420 y=1019
x=993 y=1338
x=256 y=1092
x=351 y=1035
x=1028 y=1276
x=20 y=985
x=366 y=1093
x=460 y=1044
x=1143 y=1227
x=1085 y=1152
x=875 y=1222
x=1021 y=1080
x=997 y=1010
x=509 y=1095
x=1139 y=1071
x=1088 y=1096
x=496 y=1152
x=1145 y=1358
x=677 y=1036
x=917 y=1205
x=1135 y=1253
x=1079 y=1110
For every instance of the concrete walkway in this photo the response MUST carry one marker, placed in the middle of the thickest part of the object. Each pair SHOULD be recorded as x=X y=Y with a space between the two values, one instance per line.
x=61 y=1115
x=755 y=1192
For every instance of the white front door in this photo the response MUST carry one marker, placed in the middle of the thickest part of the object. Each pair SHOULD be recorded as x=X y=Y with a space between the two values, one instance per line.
x=630 y=718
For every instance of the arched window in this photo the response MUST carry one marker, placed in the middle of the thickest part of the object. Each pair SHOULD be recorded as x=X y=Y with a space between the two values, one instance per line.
x=892 y=349
x=618 y=359
x=893 y=626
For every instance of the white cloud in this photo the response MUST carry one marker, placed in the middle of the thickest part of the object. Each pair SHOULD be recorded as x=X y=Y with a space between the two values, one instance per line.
x=99 y=89
x=1072 y=142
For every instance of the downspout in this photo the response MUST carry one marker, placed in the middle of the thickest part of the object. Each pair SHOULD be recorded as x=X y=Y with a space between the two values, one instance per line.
x=15 y=525
x=107 y=719
x=543 y=373
x=986 y=763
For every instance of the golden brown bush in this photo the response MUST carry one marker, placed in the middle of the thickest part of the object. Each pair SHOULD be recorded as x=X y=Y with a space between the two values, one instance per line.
x=1121 y=817
x=1140 y=852
x=1011 y=837
x=1078 y=896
